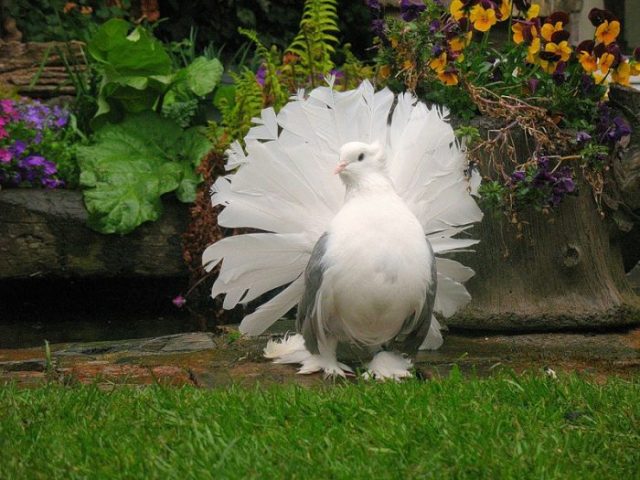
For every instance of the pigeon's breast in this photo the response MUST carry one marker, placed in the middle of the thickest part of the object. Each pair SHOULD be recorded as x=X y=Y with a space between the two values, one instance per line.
x=378 y=263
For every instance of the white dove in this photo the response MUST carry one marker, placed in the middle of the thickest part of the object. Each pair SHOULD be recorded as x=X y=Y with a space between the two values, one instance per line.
x=357 y=254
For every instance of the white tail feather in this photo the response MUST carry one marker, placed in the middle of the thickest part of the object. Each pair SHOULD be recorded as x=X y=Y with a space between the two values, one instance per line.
x=433 y=340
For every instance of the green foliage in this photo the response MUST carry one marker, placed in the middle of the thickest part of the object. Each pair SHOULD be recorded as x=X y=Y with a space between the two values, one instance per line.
x=504 y=427
x=315 y=41
x=238 y=106
x=47 y=20
x=132 y=164
x=304 y=64
x=138 y=75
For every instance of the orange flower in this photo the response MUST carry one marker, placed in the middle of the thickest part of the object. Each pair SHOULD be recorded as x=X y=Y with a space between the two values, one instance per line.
x=86 y=10
x=385 y=71
x=608 y=32
x=589 y=62
x=548 y=30
x=505 y=10
x=69 y=6
x=439 y=63
x=456 y=9
x=562 y=49
x=483 y=18
x=448 y=77
x=621 y=74
x=605 y=62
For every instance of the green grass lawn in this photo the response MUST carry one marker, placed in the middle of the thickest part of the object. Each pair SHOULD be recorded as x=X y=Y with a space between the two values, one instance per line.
x=506 y=426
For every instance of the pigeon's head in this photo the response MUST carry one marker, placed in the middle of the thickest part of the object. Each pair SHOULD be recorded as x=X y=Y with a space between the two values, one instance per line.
x=358 y=159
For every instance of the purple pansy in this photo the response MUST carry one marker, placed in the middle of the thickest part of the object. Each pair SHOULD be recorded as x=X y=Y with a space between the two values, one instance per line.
x=411 y=9
x=378 y=27
x=582 y=137
x=374 y=5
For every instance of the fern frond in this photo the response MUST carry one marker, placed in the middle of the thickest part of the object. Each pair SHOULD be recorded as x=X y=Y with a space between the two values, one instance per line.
x=315 y=42
x=248 y=103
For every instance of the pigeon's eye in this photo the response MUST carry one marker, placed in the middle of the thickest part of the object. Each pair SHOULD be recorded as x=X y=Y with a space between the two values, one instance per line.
x=361 y=157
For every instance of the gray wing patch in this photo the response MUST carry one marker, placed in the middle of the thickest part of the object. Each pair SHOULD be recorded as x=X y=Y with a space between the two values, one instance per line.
x=415 y=338
x=313 y=275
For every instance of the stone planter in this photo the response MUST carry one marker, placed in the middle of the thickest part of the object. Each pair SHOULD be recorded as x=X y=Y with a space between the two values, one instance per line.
x=44 y=234
x=564 y=273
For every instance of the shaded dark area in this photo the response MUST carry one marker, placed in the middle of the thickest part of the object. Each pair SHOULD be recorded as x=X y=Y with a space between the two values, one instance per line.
x=60 y=310
x=276 y=22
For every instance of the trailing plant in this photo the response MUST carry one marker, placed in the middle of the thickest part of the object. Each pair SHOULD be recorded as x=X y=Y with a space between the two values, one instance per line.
x=37 y=145
x=536 y=83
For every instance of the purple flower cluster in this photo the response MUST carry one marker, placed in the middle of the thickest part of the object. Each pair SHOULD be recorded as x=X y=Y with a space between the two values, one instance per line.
x=542 y=185
x=23 y=126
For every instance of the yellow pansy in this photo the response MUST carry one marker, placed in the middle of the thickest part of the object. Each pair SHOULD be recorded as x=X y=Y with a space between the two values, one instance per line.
x=448 y=77
x=533 y=50
x=589 y=62
x=605 y=62
x=519 y=30
x=505 y=10
x=439 y=63
x=562 y=49
x=622 y=74
x=456 y=9
x=548 y=30
x=548 y=66
x=533 y=12
x=457 y=44
x=483 y=18
x=607 y=32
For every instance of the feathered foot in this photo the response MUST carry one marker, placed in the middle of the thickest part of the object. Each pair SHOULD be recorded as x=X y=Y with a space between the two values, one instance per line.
x=388 y=365
x=291 y=349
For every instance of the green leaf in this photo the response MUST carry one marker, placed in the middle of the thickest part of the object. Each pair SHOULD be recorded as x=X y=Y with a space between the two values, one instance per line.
x=135 y=68
x=132 y=164
x=203 y=75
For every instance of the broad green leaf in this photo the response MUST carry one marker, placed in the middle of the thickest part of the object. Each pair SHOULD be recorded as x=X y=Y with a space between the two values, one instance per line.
x=132 y=164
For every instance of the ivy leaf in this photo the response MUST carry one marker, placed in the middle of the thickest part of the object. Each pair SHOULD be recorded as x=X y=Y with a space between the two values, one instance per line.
x=132 y=164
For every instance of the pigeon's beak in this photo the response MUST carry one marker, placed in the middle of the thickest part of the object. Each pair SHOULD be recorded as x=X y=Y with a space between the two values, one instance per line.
x=340 y=167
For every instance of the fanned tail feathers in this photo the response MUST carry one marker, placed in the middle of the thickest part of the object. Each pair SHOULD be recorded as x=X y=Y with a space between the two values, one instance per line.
x=284 y=186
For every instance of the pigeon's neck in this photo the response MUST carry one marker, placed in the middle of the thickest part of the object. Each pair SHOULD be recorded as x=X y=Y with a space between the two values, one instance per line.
x=372 y=183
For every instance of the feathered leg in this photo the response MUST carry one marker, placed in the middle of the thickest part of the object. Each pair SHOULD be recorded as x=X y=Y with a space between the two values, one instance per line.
x=388 y=365
x=325 y=360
